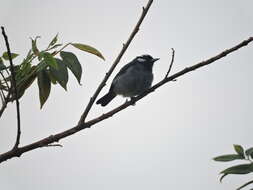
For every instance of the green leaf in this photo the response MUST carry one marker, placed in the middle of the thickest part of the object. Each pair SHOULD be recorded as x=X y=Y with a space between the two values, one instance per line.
x=228 y=157
x=54 y=40
x=88 y=49
x=5 y=56
x=22 y=71
x=44 y=85
x=239 y=149
x=50 y=60
x=244 y=185
x=71 y=61
x=52 y=79
x=34 y=45
x=25 y=84
x=28 y=57
x=239 y=169
x=222 y=177
x=249 y=152
x=2 y=66
x=60 y=74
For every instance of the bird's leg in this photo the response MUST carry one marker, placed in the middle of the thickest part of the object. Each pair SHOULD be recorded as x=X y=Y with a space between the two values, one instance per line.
x=129 y=100
x=132 y=99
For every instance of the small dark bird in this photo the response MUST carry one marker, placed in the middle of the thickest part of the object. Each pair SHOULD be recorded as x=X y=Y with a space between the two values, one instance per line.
x=133 y=79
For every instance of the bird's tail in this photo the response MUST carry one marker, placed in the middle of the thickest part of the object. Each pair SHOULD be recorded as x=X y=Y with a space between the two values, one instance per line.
x=106 y=98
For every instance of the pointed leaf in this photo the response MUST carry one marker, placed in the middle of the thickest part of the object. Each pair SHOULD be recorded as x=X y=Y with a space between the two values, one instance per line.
x=228 y=157
x=239 y=169
x=50 y=60
x=52 y=79
x=239 y=149
x=71 y=61
x=244 y=185
x=249 y=152
x=34 y=45
x=44 y=85
x=88 y=49
x=25 y=84
x=28 y=57
x=23 y=71
x=54 y=40
x=222 y=177
x=60 y=74
x=6 y=57
x=2 y=66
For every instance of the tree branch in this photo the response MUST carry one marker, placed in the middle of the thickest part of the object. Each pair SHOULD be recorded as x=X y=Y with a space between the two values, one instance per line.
x=117 y=60
x=55 y=138
x=2 y=96
x=171 y=62
x=5 y=80
x=14 y=85
x=4 y=105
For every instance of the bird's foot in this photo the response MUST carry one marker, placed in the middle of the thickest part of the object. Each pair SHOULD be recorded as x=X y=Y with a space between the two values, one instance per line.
x=132 y=99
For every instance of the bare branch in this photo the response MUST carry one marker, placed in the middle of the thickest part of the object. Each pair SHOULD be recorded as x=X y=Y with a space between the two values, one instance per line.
x=117 y=60
x=171 y=63
x=2 y=96
x=4 y=105
x=15 y=88
x=5 y=80
x=55 y=138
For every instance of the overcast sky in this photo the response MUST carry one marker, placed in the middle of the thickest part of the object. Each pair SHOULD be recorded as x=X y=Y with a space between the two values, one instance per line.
x=168 y=139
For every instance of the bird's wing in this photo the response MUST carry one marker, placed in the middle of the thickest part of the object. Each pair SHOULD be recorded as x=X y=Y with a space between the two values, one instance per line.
x=122 y=71
x=124 y=68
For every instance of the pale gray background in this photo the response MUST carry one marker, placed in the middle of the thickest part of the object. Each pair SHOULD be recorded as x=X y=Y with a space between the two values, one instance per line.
x=166 y=141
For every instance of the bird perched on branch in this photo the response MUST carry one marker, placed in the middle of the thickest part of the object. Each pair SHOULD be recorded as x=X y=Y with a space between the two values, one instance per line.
x=133 y=79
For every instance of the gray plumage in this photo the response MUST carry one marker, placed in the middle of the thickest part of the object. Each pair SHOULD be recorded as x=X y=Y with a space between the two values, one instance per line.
x=133 y=79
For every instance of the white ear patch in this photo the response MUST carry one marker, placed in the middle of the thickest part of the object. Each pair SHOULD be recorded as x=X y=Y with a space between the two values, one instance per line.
x=141 y=59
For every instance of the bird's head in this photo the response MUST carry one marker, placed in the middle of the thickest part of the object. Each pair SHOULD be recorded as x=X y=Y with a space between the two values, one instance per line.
x=147 y=60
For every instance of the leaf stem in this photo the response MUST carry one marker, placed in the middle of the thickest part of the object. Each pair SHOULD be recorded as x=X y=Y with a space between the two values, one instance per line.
x=62 y=48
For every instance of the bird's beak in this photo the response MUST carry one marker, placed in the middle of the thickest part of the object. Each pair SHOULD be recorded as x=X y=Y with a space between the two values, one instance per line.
x=155 y=59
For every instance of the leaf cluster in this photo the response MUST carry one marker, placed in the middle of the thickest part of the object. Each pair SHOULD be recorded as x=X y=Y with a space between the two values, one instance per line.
x=240 y=154
x=52 y=67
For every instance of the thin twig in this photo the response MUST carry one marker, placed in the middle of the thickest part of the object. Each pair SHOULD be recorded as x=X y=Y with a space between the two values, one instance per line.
x=55 y=138
x=171 y=63
x=5 y=103
x=2 y=96
x=15 y=88
x=117 y=60
x=5 y=80
x=55 y=53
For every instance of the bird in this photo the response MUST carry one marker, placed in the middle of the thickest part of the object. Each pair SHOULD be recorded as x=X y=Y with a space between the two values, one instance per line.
x=132 y=79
